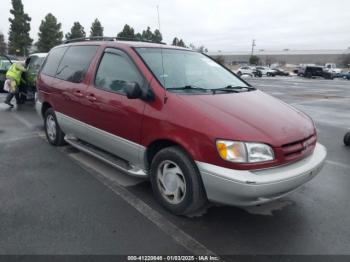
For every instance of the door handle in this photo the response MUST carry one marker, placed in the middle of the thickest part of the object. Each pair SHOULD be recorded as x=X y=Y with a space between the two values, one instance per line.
x=91 y=98
x=78 y=93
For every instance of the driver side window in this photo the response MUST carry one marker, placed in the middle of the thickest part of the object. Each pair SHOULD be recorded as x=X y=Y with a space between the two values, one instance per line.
x=115 y=71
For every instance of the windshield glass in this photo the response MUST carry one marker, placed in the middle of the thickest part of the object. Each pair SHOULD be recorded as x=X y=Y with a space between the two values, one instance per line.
x=187 y=69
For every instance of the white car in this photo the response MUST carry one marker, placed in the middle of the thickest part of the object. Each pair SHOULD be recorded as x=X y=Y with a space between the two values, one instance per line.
x=266 y=71
x=246 y=70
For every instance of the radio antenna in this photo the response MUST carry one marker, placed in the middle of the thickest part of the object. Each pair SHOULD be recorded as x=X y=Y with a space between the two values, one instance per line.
x=161 y=54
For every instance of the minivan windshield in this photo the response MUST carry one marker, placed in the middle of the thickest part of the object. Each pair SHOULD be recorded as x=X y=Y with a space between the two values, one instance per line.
x=188 y=71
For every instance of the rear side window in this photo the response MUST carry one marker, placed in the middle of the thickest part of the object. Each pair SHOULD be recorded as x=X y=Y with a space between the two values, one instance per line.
x=115 y=70
x=75 y=63
x=53 y=60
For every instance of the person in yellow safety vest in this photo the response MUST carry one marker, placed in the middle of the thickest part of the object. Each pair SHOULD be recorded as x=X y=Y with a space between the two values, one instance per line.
x=13 y=79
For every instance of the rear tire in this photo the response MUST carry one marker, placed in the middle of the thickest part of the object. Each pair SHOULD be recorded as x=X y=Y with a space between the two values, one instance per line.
x=53 y=132
x=176 y=182
x=347 y=139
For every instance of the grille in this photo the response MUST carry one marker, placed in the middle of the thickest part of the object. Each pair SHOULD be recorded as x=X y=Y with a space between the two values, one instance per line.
x=298 y=148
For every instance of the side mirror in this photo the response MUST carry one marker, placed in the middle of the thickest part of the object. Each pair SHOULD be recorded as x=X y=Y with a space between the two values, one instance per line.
x=133 y=90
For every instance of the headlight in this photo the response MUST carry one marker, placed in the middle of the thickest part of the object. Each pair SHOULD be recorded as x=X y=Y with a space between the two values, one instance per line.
x=240 y=152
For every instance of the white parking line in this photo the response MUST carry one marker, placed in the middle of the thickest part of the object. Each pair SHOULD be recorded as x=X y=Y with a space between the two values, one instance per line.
x=12 y=140
x=178 y=235
x=23 y=121
x=335 y=163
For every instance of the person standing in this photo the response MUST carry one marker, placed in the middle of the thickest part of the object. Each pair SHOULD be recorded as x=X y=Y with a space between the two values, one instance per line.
x=13 y=79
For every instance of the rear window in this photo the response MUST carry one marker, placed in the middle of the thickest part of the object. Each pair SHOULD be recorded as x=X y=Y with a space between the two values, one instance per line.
x=75 y=63
x=53 y=60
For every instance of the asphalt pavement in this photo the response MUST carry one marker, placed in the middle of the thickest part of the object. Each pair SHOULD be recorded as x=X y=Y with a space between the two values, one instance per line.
x=62 y=201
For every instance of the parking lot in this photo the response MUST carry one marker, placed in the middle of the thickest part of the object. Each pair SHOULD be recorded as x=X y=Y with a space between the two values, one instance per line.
x=62 y=201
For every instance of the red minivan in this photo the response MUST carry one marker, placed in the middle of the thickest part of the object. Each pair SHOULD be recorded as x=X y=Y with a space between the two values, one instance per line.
x=200 y=133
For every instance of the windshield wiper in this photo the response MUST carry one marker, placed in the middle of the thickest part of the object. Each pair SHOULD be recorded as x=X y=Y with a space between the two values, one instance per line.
x=233 y=89
x=189 y=87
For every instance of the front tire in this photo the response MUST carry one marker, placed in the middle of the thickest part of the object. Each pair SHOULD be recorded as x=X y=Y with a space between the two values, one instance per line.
x=53 y=132
x=176 y=182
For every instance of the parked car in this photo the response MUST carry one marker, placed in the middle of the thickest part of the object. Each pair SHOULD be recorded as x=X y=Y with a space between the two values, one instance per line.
x=33 y=62
x=332 y=68
x=345 y=75
x=5 y=63
x=266 y=71
x=179 y=118
x=346 y=139
x=246 y=70
x=315 y=71
x=280 y=72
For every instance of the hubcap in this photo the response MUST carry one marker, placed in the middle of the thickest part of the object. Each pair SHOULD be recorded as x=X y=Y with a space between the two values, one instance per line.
x=51 y=127
x=171 y=182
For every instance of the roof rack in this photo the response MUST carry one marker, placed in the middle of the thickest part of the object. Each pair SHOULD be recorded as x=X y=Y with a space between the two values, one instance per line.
x=104 y=38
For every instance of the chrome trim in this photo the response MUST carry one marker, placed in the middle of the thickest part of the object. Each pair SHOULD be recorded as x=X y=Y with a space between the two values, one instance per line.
x=132 y=171
x=121 y=147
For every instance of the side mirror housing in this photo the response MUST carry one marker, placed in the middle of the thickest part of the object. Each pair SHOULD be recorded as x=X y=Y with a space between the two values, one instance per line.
x=133 y=90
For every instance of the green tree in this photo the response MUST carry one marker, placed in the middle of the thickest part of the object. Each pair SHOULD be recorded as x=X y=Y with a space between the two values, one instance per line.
x=96 y=28
x=19 y=38
x=254 y=60
x=3 y=45
x=178 y=42
x=181 y=43
x=175 y=41
x=157 y=36
x=77 y=31
x=147 y=34
x=50 y=33
x=138 y=36
x=127 y=32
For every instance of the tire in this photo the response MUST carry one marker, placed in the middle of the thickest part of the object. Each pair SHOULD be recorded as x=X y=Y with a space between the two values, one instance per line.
x=347 y=139
x=54 y=134
x=268 y=74
x=20 y=99
x=176 y=182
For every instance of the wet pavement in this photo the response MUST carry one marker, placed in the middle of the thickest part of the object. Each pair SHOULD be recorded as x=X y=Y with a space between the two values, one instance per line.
x=61 y=201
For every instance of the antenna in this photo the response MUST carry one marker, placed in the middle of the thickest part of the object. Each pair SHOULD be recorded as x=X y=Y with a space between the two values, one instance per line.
x=158 y=18
x=161 y=53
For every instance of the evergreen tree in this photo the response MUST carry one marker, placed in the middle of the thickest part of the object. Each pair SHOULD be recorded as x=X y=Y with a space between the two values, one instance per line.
x=138 y=36
x=157 y=36
x=254 y=60
x=50 y=33
x=127 y=32
x=96 y=28
x=3 y=46
x=19 y=39
x=177 y=42
x=77 y=31
x=182 y=43
x=147 y=34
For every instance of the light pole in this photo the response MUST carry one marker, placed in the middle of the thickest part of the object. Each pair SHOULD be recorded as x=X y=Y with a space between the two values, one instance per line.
x=253 y=45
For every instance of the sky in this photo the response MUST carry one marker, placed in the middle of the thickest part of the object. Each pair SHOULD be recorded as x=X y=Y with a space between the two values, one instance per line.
x=226 y=25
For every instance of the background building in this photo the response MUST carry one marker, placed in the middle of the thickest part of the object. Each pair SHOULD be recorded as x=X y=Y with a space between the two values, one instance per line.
x=293 y=57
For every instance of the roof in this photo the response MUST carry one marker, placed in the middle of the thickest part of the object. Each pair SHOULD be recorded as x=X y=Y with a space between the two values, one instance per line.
x=126 y=43
x=39 y=54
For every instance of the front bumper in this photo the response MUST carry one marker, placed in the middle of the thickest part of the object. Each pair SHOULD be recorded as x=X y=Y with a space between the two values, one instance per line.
x=248 y=188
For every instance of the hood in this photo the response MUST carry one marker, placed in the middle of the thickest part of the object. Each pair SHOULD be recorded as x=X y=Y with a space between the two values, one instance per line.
x=249 y=116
